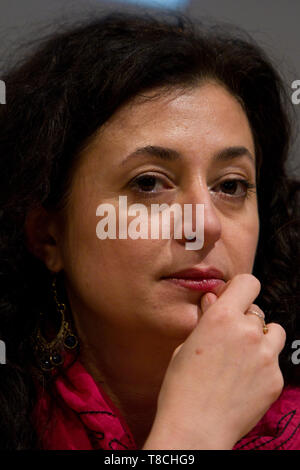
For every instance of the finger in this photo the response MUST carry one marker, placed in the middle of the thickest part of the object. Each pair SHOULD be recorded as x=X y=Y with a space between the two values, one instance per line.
x=239 y=294
x=207 y=300
x=255 y=313
x=254 y=308
x=221 y=288
x=276 y=336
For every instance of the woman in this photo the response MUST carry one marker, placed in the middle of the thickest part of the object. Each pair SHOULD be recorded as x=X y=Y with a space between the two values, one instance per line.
x=131 y=342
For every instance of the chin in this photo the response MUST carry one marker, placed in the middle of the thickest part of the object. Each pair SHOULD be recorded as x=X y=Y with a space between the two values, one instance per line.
x=180 y=323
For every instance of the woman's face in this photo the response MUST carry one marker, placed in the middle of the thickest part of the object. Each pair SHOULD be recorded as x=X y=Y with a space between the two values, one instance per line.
x=120 y=283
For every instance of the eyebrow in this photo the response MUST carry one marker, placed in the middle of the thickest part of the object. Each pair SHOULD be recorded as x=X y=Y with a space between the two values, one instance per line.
x=167 y=154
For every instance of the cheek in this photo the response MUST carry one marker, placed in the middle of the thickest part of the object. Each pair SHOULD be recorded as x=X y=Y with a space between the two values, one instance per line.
x=111 y=278
x=122 y=259
x=106 y=266
x=241 y=239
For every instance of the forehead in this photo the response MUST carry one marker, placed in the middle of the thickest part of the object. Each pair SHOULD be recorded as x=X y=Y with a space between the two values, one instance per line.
x=195 y=111
x=198 y=121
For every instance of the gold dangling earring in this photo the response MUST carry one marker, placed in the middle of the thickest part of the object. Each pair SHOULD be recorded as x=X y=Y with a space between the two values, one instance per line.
x=50 y=354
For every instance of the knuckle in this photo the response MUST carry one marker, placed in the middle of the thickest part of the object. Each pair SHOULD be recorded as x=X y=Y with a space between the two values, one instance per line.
x=253 y=334
x=276 y=385
x=280 y=331
x=267 y=357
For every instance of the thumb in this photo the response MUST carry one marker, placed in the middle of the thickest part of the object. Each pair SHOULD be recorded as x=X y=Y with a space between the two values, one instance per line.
x=207 y=300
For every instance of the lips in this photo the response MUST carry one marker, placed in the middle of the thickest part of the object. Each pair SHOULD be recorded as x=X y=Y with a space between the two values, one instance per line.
x=197 y=279
x=198 y=273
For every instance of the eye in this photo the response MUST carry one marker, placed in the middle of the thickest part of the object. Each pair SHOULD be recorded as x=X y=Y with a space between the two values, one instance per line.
x=234 y=188
x=149 y=183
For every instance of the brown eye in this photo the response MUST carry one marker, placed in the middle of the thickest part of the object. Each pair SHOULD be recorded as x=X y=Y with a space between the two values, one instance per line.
x=146 y=182
x=150 y=183
x=234 y=188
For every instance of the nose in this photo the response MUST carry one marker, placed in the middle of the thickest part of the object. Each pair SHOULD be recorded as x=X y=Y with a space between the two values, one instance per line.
x=201 y=219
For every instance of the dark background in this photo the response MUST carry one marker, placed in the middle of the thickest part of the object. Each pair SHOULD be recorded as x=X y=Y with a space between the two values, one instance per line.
x=273 y=23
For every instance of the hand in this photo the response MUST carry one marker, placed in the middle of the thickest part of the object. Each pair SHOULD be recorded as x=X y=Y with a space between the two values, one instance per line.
x=223 y=378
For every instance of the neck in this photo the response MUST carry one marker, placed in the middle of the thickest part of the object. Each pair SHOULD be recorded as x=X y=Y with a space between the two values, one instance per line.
x=130 y=368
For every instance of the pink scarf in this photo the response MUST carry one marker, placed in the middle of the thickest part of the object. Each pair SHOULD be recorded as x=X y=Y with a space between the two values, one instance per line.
x=84 y=418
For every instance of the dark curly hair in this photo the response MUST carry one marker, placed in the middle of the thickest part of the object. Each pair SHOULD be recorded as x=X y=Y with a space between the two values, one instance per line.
x=59 y=97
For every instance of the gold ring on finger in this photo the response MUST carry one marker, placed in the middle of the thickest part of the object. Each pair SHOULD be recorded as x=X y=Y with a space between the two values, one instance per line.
x=260 y=315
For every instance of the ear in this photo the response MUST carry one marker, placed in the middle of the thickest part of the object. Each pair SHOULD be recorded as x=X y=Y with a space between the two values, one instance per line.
x=42 y=233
